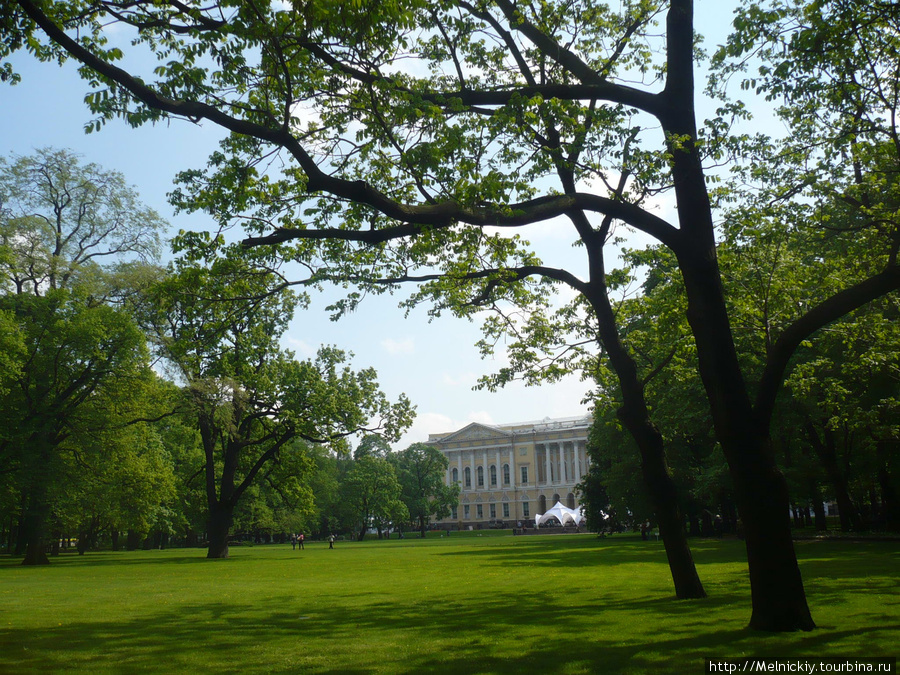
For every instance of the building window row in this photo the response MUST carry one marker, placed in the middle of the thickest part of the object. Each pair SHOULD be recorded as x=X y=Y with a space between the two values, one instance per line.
x=492 y=475
x=492 y=510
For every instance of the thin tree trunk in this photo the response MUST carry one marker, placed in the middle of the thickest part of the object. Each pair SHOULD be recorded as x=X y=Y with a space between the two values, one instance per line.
x=826 y=451
x=890 y=500
x=636 y=418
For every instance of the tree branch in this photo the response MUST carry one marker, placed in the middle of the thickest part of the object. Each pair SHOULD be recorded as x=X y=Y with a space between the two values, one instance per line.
x=828 y=311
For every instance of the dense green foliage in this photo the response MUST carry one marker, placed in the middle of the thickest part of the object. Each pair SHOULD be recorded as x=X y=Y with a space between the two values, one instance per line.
x=422 y=472
x=93 y=442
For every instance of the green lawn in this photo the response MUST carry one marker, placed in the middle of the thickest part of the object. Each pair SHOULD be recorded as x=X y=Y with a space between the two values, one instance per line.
x=492 y=604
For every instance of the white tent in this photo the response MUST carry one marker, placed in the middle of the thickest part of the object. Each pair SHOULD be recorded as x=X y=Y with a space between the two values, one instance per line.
x=562 y=513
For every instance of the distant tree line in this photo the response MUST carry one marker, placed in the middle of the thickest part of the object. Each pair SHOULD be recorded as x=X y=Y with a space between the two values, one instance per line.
x=143 y=406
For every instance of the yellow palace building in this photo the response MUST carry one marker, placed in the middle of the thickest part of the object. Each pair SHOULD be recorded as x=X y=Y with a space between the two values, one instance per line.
x=510 y=473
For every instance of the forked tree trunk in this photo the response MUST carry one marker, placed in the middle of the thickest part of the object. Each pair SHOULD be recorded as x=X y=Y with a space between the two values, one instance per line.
x=778 y=596
x=779 y=601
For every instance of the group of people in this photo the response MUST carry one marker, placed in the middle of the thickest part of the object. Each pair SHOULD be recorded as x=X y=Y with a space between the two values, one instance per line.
x=298 y=539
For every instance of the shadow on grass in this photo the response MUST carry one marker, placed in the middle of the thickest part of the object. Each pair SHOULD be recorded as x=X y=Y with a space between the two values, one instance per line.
x=456 y=637
x=110 y=558
x=619 y=630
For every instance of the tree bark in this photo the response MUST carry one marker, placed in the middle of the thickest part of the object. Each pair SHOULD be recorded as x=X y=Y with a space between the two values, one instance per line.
x=778 y=597
x=636 y=418
x=779 y=600
x=221 y=518
x=33 y=523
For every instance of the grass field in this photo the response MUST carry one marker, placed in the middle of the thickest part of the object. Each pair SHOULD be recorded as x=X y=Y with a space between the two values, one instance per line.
x=492 y=604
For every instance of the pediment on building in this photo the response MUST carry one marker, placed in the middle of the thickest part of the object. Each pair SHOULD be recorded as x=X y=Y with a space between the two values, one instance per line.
x=465 y=499
x=477 y=432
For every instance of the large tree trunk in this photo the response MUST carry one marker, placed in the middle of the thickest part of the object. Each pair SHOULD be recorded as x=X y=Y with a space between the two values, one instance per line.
x=221 y=518
x=778 y=596
x=33 y=522
x=779 y=600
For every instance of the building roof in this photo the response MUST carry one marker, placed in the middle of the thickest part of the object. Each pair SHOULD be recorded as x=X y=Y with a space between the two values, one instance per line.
x=477 y=429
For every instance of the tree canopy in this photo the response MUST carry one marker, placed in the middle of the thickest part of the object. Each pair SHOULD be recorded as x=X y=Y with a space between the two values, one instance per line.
x=415 y=140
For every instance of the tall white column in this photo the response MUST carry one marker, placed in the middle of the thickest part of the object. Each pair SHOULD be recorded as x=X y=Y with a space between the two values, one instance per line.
x=577 y=461
x=546 y=463
x=555 y=463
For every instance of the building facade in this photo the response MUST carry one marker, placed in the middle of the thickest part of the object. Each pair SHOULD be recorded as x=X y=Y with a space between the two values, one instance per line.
x=510 y=473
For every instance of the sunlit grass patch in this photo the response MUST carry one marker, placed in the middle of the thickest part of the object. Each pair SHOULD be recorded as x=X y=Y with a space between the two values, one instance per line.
x=566 y=604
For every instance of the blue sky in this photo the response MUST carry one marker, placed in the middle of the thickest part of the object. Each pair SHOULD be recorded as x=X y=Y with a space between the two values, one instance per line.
x=436 y=364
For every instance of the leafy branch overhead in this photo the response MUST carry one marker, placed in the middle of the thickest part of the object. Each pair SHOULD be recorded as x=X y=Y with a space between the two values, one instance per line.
x=413 y=141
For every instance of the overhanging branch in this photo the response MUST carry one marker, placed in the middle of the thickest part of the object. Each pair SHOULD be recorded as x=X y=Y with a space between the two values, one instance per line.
x=818 y=317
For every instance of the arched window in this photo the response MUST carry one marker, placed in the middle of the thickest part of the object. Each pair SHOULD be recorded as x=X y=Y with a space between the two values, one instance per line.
x=542 y=505
x=570 y=501
x=479 y=472
x=555 y=499
x=454 y=475
x=506 y=474
x=468 y=476
x=493 y=472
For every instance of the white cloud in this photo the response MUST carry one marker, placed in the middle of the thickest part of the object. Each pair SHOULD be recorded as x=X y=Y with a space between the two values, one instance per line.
x=301 y=348
x=392 y=346
x=468 y=379
x=481 y=416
